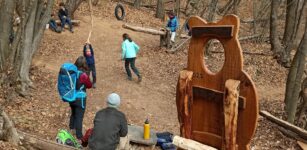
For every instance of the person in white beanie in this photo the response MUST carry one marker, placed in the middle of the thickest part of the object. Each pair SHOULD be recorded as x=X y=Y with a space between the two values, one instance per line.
x=109 y=125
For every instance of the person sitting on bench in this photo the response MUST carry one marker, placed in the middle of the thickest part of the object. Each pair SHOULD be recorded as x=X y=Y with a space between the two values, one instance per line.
x=109 y=125
x=63 y=15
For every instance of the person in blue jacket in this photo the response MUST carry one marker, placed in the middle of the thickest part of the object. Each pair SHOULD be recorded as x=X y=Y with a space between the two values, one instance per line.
x=52 y=24
x=172 y=24
x=129 y=52
x=88 y=53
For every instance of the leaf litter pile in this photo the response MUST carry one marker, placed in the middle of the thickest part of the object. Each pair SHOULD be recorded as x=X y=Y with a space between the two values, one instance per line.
x=43 y=114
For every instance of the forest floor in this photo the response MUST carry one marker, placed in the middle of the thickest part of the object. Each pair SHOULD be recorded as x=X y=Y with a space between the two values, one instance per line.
x=43 y=113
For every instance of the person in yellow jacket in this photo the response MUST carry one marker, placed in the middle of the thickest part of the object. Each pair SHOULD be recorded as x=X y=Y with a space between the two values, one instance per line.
x=129 y=52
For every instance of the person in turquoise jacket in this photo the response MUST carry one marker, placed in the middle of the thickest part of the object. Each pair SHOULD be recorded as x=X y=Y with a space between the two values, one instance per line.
x=172 y=24
x=129 y=52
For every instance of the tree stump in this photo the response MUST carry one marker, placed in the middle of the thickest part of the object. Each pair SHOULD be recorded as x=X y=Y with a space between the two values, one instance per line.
x=165 y=40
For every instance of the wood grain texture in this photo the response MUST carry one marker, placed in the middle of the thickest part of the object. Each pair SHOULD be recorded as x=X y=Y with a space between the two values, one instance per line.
x=231 y=107
x=206 y=120
x=184 y=96
x=190 y=144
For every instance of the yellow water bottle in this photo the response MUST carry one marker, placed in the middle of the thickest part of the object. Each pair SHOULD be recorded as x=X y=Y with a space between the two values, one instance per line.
x=146 y=130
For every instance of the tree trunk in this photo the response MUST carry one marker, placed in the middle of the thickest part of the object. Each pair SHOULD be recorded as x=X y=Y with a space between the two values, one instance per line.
x=186 y=7
x=8 y=130
x=34 y=28
x=295 y=78
x=274 y=38
x=177 y=8
x=72 y=6
x=254 y=16
x=235 y=6
x=301 y=114
x=137 y=4
x=95 y=2
x=160 y=9
x=34 y=17
x=292 y=19
x=6 y=19
x=209 y=15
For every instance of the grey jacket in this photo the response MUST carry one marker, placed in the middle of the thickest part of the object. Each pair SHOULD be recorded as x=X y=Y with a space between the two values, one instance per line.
x=109 y=125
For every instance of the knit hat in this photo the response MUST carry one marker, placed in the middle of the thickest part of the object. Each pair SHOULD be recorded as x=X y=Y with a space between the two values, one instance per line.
x=113 y=100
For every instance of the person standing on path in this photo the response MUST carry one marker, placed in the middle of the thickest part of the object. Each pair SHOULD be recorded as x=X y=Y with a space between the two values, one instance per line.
x=172 y=24
x=129 y=52
x=88 y=53
x=109 y=125
x=78 y=106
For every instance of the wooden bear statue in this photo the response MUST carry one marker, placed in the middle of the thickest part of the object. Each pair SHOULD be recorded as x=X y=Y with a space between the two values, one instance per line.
x=217 y=109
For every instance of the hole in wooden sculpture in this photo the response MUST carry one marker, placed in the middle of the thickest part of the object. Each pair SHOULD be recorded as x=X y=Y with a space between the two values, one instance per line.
x=214 y=56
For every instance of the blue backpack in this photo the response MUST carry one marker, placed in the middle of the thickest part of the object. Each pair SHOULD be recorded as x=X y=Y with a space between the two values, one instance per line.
x=67 y=83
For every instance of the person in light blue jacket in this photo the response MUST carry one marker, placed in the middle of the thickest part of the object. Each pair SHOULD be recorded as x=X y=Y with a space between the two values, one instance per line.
x=129 y=52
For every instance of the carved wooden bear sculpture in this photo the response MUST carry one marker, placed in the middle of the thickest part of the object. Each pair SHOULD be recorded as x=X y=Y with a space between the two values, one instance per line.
x=202 y=96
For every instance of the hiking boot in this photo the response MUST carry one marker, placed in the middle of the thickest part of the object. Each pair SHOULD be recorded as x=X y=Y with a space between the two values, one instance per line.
x=140 y=79
x=71 y=30
x=94 y=85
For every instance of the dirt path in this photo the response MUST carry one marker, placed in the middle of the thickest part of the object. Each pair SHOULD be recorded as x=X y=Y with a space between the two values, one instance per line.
x=139 y=101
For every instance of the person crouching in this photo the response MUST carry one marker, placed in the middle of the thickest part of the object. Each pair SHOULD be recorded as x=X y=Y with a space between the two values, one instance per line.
x=109 y=125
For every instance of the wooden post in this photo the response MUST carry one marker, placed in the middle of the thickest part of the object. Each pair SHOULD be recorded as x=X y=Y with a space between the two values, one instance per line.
x=168 y=38
x=231 y=101
x=184 y=102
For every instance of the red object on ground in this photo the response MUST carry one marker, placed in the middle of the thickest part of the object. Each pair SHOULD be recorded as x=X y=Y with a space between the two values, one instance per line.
x=86 y=137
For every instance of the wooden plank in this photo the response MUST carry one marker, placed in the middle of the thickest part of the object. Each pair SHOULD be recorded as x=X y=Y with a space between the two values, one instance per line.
x=216 y=95
x=188 y=144
x=221 y=31
x=302 y=145
x=231 y=98
x=74 y=22
x=299 y=131
x=144 y=30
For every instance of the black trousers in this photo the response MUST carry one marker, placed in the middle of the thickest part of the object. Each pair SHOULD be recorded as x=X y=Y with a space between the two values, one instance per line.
x=131 y=61
x=93 y=70
x=76 y=118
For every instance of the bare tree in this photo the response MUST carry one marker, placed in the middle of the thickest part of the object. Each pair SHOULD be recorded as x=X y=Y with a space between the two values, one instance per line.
x=137 y=4
x=235 y=6
x=293 y=14
x=177 y=8
x=295 y=78
x=34 y=16
x=274 y=37
x=6 y=14
x=160 y=9
x=72 y=6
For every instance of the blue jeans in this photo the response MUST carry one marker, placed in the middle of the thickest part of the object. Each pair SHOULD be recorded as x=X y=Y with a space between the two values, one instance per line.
x=131 y=61
x=64 y=21
x=53 y=26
